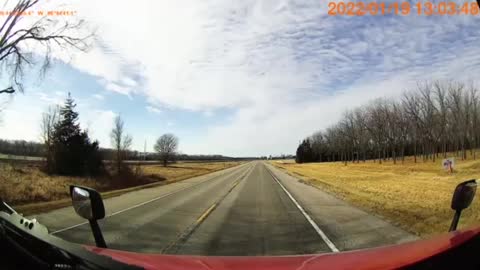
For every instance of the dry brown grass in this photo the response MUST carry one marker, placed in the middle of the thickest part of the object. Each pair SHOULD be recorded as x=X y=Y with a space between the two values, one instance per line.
x=30 y=189
x=416 y=197
x=184 y=170
x=24 y=183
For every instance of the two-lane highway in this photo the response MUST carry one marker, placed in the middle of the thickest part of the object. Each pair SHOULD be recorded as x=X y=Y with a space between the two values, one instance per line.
x=252 y=209
x=257 y=218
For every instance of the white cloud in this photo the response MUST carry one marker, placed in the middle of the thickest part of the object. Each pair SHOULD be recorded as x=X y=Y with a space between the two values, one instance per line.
x=129 y=82
x=277 y=128
x=56 y=98
x=208 y=113
x=98 y=96
x=118 y=88
x=284 y=68
x=99 y=123
x=153 y=109
x=21 y=118
x=29 y=129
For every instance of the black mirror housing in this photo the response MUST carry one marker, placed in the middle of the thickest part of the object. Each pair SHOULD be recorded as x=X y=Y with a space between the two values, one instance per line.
x=463 y=195
x=87 y=202
x=462 y=198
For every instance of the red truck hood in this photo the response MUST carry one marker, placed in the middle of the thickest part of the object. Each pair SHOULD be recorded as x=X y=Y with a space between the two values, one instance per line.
x=387 y=257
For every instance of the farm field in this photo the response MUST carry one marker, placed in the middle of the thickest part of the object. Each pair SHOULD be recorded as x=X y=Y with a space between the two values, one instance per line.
x=414 y=196
x=31 y=190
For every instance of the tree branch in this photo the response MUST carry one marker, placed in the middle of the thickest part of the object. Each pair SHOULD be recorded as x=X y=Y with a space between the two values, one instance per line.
x=8 y=90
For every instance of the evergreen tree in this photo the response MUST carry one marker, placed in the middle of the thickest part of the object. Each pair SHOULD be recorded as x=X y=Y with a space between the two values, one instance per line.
x=74 y=153
x=305 y=152
x=299 y=156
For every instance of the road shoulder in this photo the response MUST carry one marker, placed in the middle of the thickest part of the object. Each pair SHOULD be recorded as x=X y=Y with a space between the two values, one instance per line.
x=347 y=226
x=65 y=217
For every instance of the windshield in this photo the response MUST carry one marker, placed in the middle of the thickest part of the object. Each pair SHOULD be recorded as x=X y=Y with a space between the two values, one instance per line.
x=240 y=127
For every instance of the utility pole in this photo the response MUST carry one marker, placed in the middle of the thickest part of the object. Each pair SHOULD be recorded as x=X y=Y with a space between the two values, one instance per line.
x=145 y=150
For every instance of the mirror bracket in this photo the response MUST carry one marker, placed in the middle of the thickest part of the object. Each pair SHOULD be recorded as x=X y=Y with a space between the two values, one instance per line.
x=97 y=234
x=456 y=218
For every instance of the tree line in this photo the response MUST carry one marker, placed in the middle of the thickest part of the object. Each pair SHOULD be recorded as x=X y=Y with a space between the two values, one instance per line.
x=427 y=122
x=25 y=148
x=21 y=148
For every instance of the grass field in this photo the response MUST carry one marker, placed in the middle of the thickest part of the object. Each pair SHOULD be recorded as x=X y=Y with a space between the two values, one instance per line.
x=14 y=157
x=28 y=188
x=185 y=169
x=413 y=196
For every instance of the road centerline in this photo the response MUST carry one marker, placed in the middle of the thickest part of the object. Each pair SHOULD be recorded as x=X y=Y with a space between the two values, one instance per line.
x=183 y=237
x=324 y=237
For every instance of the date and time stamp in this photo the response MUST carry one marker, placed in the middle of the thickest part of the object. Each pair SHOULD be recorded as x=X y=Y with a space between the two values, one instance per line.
x=402 y=8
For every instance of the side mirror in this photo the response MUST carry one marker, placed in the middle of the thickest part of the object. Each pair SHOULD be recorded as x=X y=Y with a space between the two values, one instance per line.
x=88 y=204
x=462 y=198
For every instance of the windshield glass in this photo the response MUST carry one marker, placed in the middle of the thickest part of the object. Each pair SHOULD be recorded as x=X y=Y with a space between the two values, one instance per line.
x=240 y=127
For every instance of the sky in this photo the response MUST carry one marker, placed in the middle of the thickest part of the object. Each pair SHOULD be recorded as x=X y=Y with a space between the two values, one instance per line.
x=237 y=78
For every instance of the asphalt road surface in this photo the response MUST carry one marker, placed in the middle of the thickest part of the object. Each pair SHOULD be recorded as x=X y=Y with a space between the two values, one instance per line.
x=252 y=209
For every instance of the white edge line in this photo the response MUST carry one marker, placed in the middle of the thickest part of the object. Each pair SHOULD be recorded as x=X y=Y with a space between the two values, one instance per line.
x=314 y=225
x=132 y=207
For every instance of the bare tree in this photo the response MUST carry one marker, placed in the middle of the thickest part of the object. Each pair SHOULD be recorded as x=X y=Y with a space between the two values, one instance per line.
x=121 y=142
x=402 y=127
x=362 y=132
x=45 y=34
x=474 y=132
x=456 y=104
x=166 y=146
x=442 y=116
x=436 y=118
x=47 y=127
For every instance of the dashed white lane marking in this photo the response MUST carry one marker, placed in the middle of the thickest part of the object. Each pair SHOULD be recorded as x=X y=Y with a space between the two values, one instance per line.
x=324 y=237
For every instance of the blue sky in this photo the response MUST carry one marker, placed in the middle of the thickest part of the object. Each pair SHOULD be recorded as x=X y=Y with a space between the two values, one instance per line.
x=239 y=78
